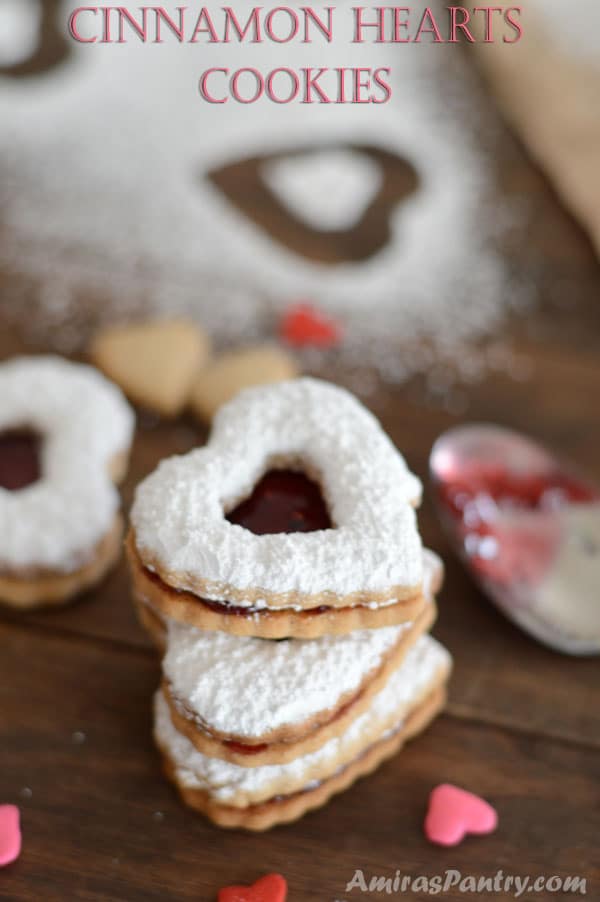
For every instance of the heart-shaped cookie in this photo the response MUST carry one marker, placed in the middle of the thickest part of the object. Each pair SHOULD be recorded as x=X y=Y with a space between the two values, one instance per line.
x=10 y=834
x=418 y=678
x=316 y=687
x=272 y=888
x=155 y=363
x=305 y=326
x=373 y=551
x=453 y=813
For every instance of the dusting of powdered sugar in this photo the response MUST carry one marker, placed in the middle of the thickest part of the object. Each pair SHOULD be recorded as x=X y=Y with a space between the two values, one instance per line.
x=85 y=423
x=575 y=27
x=328 y=189
x=247 y=687
x=224 y=781
x=149 y=237
x=19 y=29
x=179 y=510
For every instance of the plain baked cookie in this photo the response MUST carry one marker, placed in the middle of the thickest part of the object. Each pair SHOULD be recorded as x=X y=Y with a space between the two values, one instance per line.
x=155 y=363
x=222 y=378
x=65 y=435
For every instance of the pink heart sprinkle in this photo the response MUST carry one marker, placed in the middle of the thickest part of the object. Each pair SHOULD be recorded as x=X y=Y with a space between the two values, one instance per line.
x=10 y=834
x=454 y=812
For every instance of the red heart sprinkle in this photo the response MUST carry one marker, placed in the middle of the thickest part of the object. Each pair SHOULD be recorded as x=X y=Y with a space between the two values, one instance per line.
x=271 y=888
x=454 y=812
x=304 y=326
x=10 y=834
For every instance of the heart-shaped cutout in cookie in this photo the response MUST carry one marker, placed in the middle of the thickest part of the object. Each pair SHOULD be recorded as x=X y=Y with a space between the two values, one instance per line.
x=453 y=813
x=10 y=834
x=20 y=458
x=283 y=501
x=272 y=888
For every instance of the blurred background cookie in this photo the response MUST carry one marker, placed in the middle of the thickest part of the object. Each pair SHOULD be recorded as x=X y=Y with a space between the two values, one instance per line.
x=65 y=434
x=222 y=378
x=154 y=362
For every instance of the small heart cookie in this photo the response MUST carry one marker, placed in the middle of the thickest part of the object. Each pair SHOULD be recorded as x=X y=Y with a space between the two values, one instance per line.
x=454 y=812
x=155 y=363
x=304 y=326
x=224 y=377
x=272 y=888
x=10 y=834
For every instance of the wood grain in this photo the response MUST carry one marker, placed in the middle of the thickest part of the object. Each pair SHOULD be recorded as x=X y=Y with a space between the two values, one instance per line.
x=92 y=832
x=523 y=723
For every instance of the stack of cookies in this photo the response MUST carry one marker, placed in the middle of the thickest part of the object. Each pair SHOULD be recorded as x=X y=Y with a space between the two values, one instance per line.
x=280 y=571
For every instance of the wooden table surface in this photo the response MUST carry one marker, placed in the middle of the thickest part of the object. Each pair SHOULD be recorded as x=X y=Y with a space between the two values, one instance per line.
x=522 y=726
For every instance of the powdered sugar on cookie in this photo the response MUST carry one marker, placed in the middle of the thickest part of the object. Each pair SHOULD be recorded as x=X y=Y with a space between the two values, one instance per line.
x=247 y=687
x=84 y=424
x=425 y=664
x=179 y=512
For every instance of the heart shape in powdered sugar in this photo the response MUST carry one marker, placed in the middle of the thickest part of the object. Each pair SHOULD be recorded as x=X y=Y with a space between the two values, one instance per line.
x=297 y=197
x=327 y=189
x=372 y=553
x=271 y=888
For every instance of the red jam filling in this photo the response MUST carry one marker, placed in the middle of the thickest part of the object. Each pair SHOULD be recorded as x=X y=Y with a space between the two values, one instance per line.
x=20 y=459
x=283 y=501
x=483 y=502
x=242 y=749
x=510 y=491
x=239 y=610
